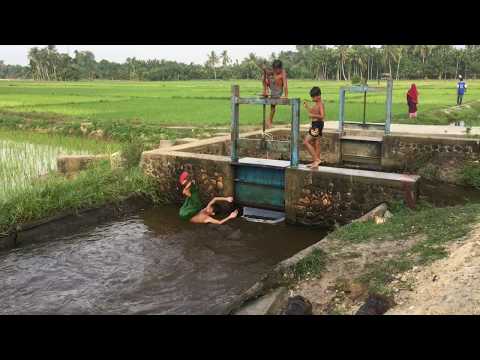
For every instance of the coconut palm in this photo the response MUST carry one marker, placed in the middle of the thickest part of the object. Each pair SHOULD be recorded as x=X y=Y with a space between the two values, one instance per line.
x=389 y=56
x=212 y=62
x=343 y=53
x=225 y=59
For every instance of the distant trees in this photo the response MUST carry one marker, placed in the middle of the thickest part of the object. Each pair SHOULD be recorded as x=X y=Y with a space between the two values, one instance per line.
x=319 y=62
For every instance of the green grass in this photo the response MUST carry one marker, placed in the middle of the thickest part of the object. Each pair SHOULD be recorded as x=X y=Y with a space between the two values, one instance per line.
x=470 y=174
x=206 y=103
x=93 y=187
x=27 y=155
x=311 y=265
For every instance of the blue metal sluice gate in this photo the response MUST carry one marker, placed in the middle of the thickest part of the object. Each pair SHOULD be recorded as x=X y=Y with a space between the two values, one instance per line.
x=261 y=182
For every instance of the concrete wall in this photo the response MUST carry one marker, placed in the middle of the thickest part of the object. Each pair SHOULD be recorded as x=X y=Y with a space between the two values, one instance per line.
x=439 y=158
x=279 y=147
x=212 y=173
x=324 y=196
x=331 y=195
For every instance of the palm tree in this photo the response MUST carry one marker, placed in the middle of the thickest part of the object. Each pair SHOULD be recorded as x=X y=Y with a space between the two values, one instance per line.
x=389 y=55
x=212 y=61
x=225 y=59
x=360 y=58
x=424 y=52
x=343 y=52
x=399 y=51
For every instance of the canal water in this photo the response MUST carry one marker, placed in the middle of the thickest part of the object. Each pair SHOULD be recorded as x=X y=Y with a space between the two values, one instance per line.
x=443 y=194
x=150 y=263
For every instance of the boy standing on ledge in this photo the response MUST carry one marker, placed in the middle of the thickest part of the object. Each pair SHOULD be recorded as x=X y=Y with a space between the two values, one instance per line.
x=317 y=114
x=274 y=79
x=192 y=209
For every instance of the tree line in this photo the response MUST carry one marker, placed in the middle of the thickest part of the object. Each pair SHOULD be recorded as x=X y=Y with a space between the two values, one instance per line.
x=319 y=62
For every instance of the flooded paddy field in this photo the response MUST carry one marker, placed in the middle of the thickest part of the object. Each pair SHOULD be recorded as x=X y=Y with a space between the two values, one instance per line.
x=149 y=263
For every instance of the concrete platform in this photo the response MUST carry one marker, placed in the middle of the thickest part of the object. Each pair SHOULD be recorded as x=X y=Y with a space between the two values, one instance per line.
x=363 y=174
x=263 y=162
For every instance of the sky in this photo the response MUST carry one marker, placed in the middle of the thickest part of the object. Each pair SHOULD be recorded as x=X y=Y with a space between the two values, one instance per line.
x=17 y=54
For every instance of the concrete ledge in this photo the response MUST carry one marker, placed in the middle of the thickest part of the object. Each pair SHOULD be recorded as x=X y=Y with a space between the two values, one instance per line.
x=270 y=304
x=367 y=174
x=379 y=211
x=69 y=164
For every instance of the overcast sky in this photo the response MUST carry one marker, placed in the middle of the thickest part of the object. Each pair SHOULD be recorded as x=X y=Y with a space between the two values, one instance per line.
x=17 y=54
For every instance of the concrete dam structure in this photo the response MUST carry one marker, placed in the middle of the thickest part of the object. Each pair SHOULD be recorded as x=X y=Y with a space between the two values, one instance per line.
x=264 y=169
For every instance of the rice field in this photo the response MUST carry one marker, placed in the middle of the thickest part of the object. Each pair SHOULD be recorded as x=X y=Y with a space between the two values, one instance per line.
x=25 y=157
x=206 y=103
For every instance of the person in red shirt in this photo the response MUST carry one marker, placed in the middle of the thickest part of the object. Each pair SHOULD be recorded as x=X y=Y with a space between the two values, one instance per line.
x=412 y=101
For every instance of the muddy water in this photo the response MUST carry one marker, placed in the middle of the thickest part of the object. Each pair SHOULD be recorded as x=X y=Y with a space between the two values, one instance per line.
x=443 y=194
x=151 y=263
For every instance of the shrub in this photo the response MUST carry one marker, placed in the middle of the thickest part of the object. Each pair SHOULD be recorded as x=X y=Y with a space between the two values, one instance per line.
x=470 y=174
x=356 y=80
x=132 y=152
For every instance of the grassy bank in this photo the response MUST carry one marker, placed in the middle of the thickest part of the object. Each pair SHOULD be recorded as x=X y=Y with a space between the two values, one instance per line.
x=94 y=187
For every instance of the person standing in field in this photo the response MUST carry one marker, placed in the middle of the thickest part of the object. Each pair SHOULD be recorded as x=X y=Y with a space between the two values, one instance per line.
x=274 y=79
x=461 y=90
x=412 y=101
x=192 y=209
x=317 y=115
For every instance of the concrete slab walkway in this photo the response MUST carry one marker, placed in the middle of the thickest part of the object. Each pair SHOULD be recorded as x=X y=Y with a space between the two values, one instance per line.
x=416 y=129
x=407 y=129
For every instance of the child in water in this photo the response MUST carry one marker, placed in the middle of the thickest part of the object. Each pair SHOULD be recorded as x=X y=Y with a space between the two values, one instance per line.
x=274 y=79
x=317 y=114
x=192 y=209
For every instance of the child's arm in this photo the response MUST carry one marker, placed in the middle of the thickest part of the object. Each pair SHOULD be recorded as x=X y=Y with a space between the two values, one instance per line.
x=211 y=220
x=216 y=199
x=186 y=190
x=285 y=83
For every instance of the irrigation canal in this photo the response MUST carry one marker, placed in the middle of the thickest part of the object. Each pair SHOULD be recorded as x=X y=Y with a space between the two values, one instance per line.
x=150 y=263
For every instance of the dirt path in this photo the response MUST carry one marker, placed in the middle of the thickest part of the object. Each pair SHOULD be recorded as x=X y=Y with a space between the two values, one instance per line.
x=448 y=286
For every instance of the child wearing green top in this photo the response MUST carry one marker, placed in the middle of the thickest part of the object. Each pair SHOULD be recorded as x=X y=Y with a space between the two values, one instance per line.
x=192 y=209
